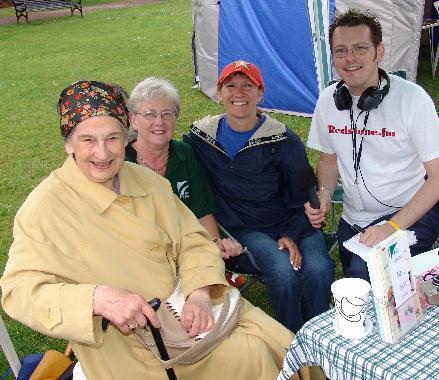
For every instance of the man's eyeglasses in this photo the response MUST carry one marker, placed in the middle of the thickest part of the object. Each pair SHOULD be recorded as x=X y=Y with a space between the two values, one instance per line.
x=151 y=115
x=356 y=50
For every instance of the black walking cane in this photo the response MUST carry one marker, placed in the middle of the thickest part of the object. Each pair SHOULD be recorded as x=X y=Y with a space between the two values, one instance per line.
x=155 y=304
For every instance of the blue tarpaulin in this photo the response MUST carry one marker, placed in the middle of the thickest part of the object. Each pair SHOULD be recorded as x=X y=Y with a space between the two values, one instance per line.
x=286 y=39
x=276 y=36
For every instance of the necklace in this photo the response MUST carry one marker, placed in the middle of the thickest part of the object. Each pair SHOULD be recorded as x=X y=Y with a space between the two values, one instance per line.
x=152 y=168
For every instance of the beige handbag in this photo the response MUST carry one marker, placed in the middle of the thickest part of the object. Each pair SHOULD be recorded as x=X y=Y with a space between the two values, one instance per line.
x=181 y=348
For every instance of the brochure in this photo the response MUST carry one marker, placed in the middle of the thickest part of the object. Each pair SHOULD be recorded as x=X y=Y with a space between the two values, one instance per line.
x=397 y=305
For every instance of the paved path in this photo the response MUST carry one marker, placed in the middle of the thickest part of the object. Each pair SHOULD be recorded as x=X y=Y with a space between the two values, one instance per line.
x=65 y=12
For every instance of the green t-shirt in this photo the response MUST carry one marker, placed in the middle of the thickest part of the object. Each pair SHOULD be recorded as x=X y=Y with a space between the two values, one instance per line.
x=186 y=176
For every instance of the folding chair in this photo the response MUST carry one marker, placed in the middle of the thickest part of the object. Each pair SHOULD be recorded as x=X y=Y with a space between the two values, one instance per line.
x=243 y=264
x=331 y=237
x=25 y=368
x=431 y=24
x=8 y=349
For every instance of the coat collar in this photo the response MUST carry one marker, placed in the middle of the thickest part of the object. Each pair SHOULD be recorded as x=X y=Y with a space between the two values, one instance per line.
x=97 y=195
x=271 y=131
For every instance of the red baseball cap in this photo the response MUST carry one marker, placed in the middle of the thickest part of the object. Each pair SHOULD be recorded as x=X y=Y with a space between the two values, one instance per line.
x=246 y=68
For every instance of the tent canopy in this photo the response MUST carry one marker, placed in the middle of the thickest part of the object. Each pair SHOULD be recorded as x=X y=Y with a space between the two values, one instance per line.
x=401 y=22
x=277 y=35
x=288 y=41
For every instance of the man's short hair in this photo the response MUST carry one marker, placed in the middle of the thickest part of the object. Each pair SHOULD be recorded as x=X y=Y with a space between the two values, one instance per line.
x=355 y=17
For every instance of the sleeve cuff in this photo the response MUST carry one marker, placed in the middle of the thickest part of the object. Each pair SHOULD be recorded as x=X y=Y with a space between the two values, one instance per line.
x=76 y=307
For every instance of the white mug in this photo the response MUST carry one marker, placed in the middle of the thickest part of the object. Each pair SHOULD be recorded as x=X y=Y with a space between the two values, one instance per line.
x=351 y=297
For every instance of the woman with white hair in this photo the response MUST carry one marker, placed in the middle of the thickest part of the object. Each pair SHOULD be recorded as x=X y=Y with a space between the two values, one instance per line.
x=101 y=236
x=154 y=106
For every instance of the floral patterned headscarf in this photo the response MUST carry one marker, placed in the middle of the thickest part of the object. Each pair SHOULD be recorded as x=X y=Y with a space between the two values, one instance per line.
x=84 y=99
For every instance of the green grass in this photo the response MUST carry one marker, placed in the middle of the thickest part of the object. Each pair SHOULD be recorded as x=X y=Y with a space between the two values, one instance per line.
x=122 y=46
x=6 y=12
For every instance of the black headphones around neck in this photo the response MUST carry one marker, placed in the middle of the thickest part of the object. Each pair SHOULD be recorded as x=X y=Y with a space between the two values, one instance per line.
x=369 y=99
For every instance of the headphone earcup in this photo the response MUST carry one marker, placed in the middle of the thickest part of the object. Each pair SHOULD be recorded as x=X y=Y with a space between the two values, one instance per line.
x=342 y=98
x=369 y=99
x=372 y=97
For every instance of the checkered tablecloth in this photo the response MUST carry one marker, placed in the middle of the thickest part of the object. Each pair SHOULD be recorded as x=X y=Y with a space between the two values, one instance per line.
x=414 y=357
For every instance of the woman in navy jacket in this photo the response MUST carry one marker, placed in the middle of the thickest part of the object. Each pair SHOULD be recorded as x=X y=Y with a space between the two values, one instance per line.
x=253 y=162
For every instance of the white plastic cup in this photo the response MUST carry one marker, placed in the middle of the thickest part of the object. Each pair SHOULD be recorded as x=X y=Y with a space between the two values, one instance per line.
x=351 y=296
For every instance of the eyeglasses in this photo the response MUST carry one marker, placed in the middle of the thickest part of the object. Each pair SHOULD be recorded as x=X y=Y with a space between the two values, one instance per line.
x=356 y=50
x=151 y=115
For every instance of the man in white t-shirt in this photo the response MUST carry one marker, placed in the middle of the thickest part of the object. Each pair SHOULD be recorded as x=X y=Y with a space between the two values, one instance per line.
x=380 y=134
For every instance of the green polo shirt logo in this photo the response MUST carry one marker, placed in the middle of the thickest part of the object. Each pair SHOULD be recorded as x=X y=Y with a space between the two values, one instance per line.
x=183 y=189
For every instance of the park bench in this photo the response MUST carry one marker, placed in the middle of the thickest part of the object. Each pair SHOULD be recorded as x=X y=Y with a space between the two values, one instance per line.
x=22 y=7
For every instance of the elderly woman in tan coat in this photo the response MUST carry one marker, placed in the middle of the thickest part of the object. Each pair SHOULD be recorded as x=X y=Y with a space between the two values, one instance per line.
x=100 y=236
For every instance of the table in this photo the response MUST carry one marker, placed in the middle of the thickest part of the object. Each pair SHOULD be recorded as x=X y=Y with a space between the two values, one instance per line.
x=416 y=356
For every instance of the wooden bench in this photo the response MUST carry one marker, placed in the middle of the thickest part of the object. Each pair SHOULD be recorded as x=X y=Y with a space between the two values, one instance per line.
x=22 y=7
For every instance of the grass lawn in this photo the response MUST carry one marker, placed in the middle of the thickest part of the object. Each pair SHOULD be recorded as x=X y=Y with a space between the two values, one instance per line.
x=122 y=46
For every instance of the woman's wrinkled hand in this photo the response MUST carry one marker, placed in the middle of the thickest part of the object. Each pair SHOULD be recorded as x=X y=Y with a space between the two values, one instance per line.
x=123 y=308
x=229 y=248
x=196 y=316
